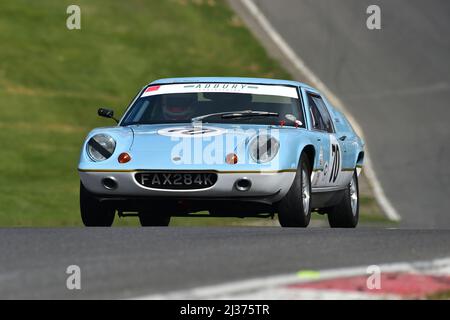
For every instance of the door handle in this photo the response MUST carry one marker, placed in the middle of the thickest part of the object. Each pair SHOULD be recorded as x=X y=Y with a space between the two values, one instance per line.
x=343 y=138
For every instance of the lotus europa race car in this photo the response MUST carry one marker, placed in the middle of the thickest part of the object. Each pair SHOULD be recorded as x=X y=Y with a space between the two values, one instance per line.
x=227 y=147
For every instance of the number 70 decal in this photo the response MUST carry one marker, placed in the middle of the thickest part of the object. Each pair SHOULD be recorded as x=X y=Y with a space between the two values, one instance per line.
x=336 y=164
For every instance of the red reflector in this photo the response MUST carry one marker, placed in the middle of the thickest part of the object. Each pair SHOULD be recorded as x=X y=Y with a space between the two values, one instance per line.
x=231 y=158
x=124 y=157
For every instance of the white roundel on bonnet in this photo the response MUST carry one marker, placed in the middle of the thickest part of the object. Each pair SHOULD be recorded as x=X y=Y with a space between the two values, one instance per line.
x=191 y=131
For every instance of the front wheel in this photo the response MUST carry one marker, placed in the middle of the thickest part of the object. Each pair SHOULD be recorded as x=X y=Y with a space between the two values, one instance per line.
x=93 y=212
x=346 y=213
x=294 y=210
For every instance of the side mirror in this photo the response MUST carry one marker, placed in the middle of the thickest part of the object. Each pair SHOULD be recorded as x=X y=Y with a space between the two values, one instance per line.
x=107 y=113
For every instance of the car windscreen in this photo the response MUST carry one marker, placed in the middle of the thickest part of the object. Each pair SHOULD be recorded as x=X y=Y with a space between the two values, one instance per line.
x=178 y=104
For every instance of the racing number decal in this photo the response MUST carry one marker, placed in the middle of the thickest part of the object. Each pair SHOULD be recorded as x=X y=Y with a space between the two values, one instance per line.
x=331 y=172
x=336 y=164
x=191 y=131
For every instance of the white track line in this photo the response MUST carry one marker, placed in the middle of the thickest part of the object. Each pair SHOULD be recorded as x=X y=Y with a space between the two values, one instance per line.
x=299 y=64
x=268 y=287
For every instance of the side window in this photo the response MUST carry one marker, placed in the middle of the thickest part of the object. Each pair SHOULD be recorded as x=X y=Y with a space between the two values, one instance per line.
x=319 y=113
x=317 y=120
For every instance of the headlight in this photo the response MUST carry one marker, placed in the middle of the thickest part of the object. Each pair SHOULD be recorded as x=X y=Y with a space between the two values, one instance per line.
x=264 y=148
x=100 y=147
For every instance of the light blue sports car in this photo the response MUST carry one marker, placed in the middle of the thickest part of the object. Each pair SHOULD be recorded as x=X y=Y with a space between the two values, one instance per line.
x=234 y=147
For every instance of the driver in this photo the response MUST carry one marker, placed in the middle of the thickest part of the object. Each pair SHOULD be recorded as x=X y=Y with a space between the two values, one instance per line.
x=179 y=107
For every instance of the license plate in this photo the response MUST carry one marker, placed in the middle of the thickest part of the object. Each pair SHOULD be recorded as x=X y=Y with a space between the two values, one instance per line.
x=176 y=180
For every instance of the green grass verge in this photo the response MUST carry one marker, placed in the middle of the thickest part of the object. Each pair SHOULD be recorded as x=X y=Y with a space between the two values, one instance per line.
x=52 y=80
x=444 y=295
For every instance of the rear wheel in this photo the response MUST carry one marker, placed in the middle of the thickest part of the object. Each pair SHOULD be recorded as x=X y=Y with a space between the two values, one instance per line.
x=94 y=213
x=346 y=213
x=294 y=210
x=152 y=219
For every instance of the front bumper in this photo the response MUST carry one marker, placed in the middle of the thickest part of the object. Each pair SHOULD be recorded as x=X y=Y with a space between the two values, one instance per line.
x=273 y=184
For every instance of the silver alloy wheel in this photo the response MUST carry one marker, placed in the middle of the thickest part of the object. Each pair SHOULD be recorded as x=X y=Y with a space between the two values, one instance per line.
x=306 y=196
x=353 y=195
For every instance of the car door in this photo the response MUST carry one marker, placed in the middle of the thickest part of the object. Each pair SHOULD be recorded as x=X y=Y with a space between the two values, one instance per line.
x=330 y=147
x=349 y=142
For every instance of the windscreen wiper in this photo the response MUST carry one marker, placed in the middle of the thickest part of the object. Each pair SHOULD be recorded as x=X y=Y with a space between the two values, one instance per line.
x=236 y=114
x=250 y=114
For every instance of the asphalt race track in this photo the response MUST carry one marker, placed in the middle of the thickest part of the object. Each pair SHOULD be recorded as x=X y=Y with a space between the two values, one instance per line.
x=131 y=262
x=395 y=81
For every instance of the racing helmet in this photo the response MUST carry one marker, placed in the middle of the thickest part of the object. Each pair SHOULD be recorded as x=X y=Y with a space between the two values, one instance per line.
x=179 y=106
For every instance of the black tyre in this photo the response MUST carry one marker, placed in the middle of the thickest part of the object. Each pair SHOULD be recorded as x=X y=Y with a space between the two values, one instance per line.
x=346 y=213
x=93 y=212
x=294 y=210
x=152 y=219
